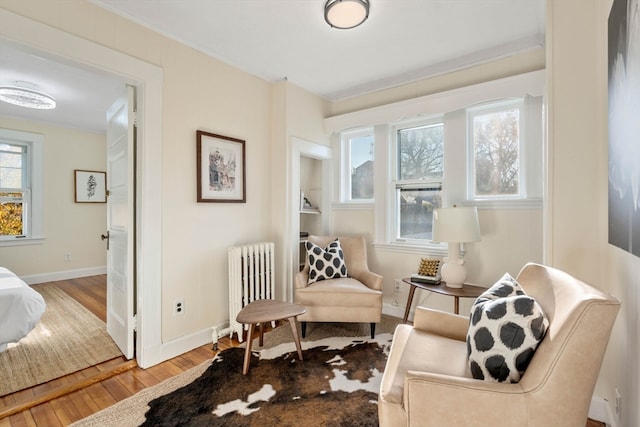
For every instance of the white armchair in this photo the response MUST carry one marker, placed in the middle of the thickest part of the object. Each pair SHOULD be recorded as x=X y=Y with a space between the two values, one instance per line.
x=427 y=380
x=357 y=298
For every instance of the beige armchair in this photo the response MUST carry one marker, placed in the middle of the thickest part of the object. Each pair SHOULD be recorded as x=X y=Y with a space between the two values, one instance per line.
x=357 y=298
x=427 y=381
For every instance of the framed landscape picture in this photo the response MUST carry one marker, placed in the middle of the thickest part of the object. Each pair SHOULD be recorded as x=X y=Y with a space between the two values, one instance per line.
x=90 y=186
x=220 y=168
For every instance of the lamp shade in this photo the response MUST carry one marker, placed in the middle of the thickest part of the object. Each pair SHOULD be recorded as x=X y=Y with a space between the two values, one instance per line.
x=457 y=224
x=345 y=14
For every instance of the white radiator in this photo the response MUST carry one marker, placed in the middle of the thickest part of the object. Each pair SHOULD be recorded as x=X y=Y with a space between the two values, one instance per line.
x=250 y=278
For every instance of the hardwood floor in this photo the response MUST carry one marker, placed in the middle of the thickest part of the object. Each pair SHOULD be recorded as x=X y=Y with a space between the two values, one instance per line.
x=68 y=399
x=73 y=405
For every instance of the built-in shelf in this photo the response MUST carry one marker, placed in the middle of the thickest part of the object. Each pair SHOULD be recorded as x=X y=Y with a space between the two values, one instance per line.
x=312 y=211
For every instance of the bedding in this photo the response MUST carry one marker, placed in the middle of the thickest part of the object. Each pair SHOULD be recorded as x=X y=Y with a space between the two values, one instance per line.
x=20 y=308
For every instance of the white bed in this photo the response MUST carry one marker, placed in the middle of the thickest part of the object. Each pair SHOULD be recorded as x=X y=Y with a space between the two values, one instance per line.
x=20 y=308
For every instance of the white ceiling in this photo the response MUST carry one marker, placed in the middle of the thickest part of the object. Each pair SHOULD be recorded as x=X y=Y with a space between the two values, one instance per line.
x=402 y=41
x=82 y=94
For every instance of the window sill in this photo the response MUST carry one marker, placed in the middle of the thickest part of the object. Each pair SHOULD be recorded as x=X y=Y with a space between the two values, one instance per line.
x=22 y=241
x=505 y=204
x=353 y=206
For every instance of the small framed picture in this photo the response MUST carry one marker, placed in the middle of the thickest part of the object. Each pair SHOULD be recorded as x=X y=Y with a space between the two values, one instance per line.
x=221 y=168
x=90 y=186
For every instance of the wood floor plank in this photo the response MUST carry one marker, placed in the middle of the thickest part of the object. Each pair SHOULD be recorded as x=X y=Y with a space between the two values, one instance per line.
x=130 y=382
x=44 y=415
x=101 y=397
x=116 y=389
x=65 y=410
x=84 y=404
x=78 y=404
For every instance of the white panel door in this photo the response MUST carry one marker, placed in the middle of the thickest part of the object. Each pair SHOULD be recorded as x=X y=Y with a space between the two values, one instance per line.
x=120 y=222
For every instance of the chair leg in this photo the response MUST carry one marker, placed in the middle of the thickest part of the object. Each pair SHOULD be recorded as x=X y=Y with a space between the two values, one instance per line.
x=303 y=327
x=373 y=330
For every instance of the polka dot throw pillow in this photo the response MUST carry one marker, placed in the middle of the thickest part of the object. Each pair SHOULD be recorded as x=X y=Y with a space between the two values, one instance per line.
x=505 y=328
x=325 y=263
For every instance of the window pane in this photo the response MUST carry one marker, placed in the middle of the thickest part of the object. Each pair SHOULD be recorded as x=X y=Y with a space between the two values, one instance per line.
x=420 y=152
x=361 y=155
x=496 y=141
x=11 y=166
x=416 y=212
x=11 y=215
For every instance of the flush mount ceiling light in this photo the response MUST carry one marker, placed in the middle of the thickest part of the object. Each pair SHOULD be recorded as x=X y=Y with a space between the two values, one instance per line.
x=24 y=94
x=345 y=14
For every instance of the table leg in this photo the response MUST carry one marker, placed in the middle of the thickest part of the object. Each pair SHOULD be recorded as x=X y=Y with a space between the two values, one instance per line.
x=296 y=337
x=247 y=352
x=409 y=301
x=456 y=305
x=261 y=329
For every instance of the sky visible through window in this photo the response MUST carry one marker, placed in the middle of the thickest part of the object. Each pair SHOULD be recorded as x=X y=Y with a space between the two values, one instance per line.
x=361 y=150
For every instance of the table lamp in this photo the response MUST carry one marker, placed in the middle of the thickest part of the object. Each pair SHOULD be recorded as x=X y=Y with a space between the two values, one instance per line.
x=455 y=225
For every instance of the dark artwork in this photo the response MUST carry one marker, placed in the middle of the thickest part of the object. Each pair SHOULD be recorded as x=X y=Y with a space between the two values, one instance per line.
x=624 y=125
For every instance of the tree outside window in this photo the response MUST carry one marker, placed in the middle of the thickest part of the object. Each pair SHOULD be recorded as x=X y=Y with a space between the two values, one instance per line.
x=496 y=148
x=12 y=178
x=420 y=152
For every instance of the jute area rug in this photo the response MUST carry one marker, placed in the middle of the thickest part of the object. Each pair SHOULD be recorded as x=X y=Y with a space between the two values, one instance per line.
x=336 y=384
x=68 y=338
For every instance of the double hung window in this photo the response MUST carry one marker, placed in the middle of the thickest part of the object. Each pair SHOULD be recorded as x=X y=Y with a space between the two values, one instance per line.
x=419 y=160
x=20 y=185
x=357 y=166
x=14 y=189
x=495 y=147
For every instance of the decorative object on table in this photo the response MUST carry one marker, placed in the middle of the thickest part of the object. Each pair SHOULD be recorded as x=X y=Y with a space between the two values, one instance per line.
x=221 y=175
x=427 y=272
x=90 y=186
x=428 y=267
x=456 y=225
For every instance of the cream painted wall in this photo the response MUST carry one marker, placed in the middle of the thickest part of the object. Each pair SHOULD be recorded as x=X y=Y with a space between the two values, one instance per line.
x=510 y=239
x=202 y=93
x=199 y=92
x=69 y=227
x=513 y=65
x=296 y=114
x=577 y=210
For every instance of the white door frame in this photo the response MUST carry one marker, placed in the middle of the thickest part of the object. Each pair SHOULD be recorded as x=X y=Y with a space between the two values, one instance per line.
x=148 y=79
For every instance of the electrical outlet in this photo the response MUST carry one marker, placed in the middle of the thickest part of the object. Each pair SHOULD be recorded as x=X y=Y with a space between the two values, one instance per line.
x=178 y=307
x=618 y=403
x=396 y=294
x=67 y=257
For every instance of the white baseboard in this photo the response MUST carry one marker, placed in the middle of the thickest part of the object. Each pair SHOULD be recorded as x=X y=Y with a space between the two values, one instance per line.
x=64 y=275
x=600 y=410
x=393 y=310
x=168 y=350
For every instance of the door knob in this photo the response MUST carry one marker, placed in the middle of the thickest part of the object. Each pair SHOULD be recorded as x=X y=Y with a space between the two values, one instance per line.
x=105 y=237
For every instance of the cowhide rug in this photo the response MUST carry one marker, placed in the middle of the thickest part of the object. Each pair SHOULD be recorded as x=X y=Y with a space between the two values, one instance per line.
x=336 y=384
